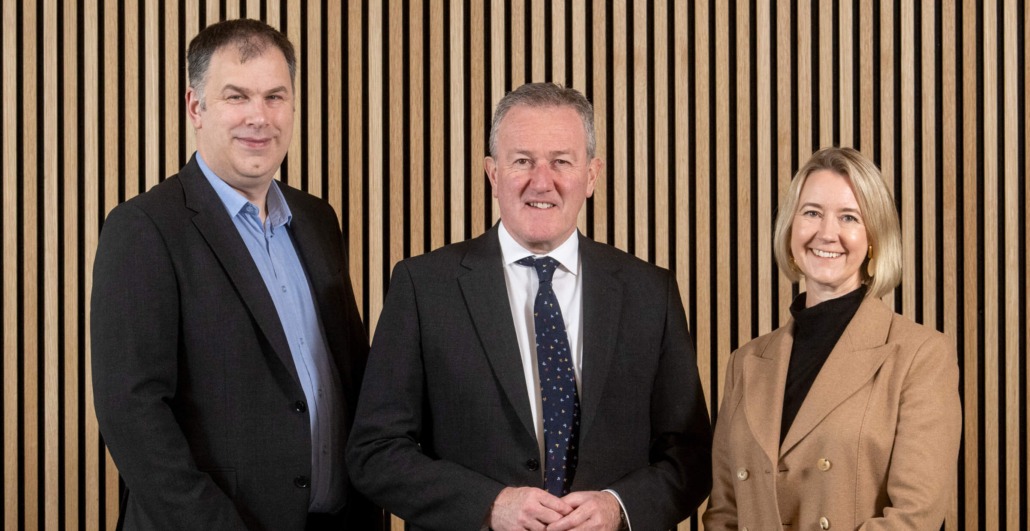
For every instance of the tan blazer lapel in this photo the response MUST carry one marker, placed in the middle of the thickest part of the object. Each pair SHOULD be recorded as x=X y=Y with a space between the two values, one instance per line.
x=765 y=374
x=855 y=358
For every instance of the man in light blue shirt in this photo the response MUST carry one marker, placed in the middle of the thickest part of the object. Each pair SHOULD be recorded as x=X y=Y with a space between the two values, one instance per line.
x=227 y=345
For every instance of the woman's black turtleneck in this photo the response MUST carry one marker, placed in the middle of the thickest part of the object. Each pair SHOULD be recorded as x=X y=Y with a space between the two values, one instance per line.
x=816 y=331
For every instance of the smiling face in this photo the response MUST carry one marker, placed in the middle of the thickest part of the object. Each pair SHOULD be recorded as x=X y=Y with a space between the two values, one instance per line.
x=828 y=237
x=245 y=122
x=541 y=175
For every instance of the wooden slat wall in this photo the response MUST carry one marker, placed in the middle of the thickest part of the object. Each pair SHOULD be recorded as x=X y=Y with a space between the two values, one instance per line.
x=705 y=109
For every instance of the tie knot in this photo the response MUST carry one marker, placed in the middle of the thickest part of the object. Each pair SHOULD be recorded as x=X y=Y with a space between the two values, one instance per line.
x=545 y=266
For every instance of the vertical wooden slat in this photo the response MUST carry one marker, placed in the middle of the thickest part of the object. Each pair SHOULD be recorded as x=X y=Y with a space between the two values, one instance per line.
x=990 y=260
x=764 y=61
x=416 y=119
x=538 y=41
x=683 y=35
x=659 y=166
x=721 y=183
x=599 y=83
x=772 y=304
x=479 y=117
x=70 y=59
x=908 y=164
x=335 y=167
x=865 y=69
x=746 y=32
x=374 y=124
x=113 y=137
x=456 y=174
x=193 y=25
x=638 y=181
x=91 y=224
x=30 y=354
x=436 y=123
x=130 y=43
x=172 y=98
x=558 y=44
x=1010 y=189
x=845 y=71
x=295 y=170
x=51 y=267
x=702 y=167
x=395 y=29
x=846 y=62
x=579 y=76
x=152 y=83
x=313 y=132
x=950 y=203
x=11 y=325
x=619 y=147
x=355 y=153
x=928 y=151
x=887 y=105
x=804 y=112
x=517 y=55
x=499 y=64
x=971 y=263
x=827 y=73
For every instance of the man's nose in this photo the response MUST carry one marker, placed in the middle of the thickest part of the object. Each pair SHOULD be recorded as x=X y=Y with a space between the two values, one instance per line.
x=257 y=113
x=541 y=175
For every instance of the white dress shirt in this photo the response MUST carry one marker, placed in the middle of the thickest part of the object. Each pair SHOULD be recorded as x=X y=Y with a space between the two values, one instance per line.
x=522 y=283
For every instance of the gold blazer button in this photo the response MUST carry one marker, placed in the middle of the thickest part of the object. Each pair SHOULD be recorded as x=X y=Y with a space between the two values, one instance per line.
x=824 y=523
x=742 y=474
x=824 y=465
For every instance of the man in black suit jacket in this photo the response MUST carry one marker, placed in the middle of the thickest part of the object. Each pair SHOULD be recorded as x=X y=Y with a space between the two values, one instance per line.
x=449 y=434
x=227 y=347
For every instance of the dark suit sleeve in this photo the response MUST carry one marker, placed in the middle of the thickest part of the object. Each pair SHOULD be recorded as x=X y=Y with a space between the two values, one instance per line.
x=384 y=455
x=679 y=476
x=134 y=331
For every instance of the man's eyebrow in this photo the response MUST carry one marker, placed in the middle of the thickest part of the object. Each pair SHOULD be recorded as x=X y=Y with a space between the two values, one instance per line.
x=242 y=90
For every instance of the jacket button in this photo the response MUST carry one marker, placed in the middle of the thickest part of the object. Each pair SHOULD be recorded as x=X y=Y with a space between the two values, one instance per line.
x=299 y=406
x=824 y=523
x=742 y=474
x=824 y=464
x=533 y=464
x=301 y=482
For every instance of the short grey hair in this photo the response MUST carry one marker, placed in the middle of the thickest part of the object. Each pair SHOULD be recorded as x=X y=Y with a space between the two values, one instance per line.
x=546 y=95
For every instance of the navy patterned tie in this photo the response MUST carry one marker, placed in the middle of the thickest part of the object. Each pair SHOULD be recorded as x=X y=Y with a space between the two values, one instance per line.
x=557 y=381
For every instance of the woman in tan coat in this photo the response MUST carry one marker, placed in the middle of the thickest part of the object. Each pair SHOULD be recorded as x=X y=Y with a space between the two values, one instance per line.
x=848 y=416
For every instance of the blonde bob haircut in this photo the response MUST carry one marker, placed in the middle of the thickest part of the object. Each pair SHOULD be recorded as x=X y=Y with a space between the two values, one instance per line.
x=882 y=272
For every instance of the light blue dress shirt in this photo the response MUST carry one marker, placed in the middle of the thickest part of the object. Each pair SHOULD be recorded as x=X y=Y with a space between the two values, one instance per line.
x=276 y=259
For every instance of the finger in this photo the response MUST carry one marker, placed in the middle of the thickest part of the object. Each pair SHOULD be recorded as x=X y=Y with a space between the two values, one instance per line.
x=554 y=503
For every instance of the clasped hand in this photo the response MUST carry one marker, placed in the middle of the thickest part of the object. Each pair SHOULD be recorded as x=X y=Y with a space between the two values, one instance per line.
x=521 y=508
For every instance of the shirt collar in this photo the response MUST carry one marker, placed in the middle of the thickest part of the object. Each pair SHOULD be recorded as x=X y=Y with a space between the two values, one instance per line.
x=567 y=254
x=278 y=210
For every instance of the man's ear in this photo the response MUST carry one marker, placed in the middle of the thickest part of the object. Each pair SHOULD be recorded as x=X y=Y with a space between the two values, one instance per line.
x=593 y=172
x=490 y=167
x=194 y=106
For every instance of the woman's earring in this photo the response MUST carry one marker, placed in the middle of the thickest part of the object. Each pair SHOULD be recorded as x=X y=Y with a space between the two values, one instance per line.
x=870 y=267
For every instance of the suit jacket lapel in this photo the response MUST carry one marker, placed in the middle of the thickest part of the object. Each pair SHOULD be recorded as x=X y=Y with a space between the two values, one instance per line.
x=484 y=289
x=765 y=374
x=855 y=358
x=602 y=313
x=221 y=235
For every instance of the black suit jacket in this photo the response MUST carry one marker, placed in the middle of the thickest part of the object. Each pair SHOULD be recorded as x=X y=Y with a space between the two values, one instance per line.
x=444 y=420
x=195 y=388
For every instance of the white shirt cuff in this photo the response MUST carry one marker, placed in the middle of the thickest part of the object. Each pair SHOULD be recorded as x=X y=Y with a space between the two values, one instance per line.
x=622 y=506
